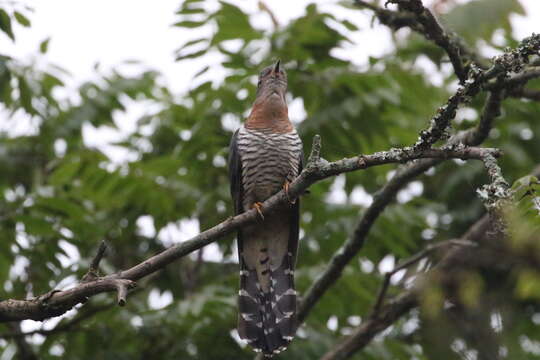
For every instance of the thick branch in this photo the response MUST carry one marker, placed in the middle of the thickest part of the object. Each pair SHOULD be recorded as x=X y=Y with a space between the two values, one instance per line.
x=363 y=334
x=66 y=325
x=528 y=94
x=512 y=61
x=57 y=302
x=428 y=250
x=433 y=31
x=458 y=258
x=421 y=20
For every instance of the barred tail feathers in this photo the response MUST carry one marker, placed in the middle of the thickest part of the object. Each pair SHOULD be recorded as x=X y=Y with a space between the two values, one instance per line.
x=267 y=312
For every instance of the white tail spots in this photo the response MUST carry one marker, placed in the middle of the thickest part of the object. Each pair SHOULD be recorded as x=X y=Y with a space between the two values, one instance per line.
x=243 y=292
x=288 y=272
x=246 y=316
x=290 y=292
x=244 y=273
x=286 y=315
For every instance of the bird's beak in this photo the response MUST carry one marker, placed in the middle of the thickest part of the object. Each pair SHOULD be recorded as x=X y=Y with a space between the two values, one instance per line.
x=276 y=67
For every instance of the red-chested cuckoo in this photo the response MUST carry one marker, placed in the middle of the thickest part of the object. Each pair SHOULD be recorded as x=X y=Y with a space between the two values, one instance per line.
x=265 y=156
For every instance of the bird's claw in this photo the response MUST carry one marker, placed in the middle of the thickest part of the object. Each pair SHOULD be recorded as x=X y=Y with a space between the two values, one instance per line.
x=258 y=206
x=286 y=188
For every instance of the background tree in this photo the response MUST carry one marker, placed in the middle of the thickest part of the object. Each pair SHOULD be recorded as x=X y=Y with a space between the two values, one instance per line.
x=468 y=284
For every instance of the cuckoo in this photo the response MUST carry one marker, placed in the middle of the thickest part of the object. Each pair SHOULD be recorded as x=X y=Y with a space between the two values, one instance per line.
x=265 y=156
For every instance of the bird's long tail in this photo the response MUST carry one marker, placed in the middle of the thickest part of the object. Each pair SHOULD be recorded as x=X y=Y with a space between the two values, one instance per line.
x=267 y=305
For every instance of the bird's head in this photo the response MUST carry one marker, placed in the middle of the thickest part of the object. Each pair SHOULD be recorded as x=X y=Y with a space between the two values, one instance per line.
x=272 y=82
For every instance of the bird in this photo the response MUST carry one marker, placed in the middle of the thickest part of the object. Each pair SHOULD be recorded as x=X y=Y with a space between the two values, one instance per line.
x=265 y=156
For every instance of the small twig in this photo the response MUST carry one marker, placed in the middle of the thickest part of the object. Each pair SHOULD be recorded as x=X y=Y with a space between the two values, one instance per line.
x=434 y=32
x=492 y=110
x=266 y=9
x=428 y=250
x=93 y=271
x=498 y=188
x=122 y=287
x=528 y=94
x=315 y=155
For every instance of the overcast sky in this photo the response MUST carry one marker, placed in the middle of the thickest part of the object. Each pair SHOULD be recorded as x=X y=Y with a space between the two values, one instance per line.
x=111 y=31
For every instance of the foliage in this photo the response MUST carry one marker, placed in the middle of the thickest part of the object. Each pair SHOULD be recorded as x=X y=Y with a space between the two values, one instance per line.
x=60 y=194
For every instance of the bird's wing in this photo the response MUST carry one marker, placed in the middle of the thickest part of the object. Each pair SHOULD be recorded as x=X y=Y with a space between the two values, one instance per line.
x=235 y=174
x=295 y=219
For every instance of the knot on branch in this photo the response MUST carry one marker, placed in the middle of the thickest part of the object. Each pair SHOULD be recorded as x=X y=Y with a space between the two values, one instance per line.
x=93 y=271
x=122 y=287
x=314 y=161
x=497 y=191
x=514 y=60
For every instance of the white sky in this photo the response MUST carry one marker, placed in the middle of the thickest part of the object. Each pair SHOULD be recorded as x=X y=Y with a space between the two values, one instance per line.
x=110 y=32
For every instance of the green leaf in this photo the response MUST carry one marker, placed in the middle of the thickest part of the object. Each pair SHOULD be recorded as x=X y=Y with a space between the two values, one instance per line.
x=5 y=24
x=190 y=11
x=65 y=172
x=63 y=206
x=191 y=55
x=21 y=19
x=44 y=45
x=190 y=24
x=192 y=42
x=25 y=95
x=233 y=23
x=349 y=25
x=36 y=225
x=480 y=18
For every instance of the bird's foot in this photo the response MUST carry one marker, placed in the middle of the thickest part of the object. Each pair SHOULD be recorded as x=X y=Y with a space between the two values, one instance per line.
x=258 y=206
x=286 y=188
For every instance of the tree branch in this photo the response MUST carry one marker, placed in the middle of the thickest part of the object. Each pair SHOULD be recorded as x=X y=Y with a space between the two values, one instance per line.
x=363 y=334
x=434 y=32
x=68 y=325
x=24 y=349
x=511 y=61
x=93 y=271
x=383 y=198
x=428 y=250
x=57 y=302
x=422 y=21
x=480 y=232
x=528 y=94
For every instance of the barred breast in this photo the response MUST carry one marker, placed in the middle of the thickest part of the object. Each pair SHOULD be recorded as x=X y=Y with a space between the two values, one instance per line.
x=268 y=160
